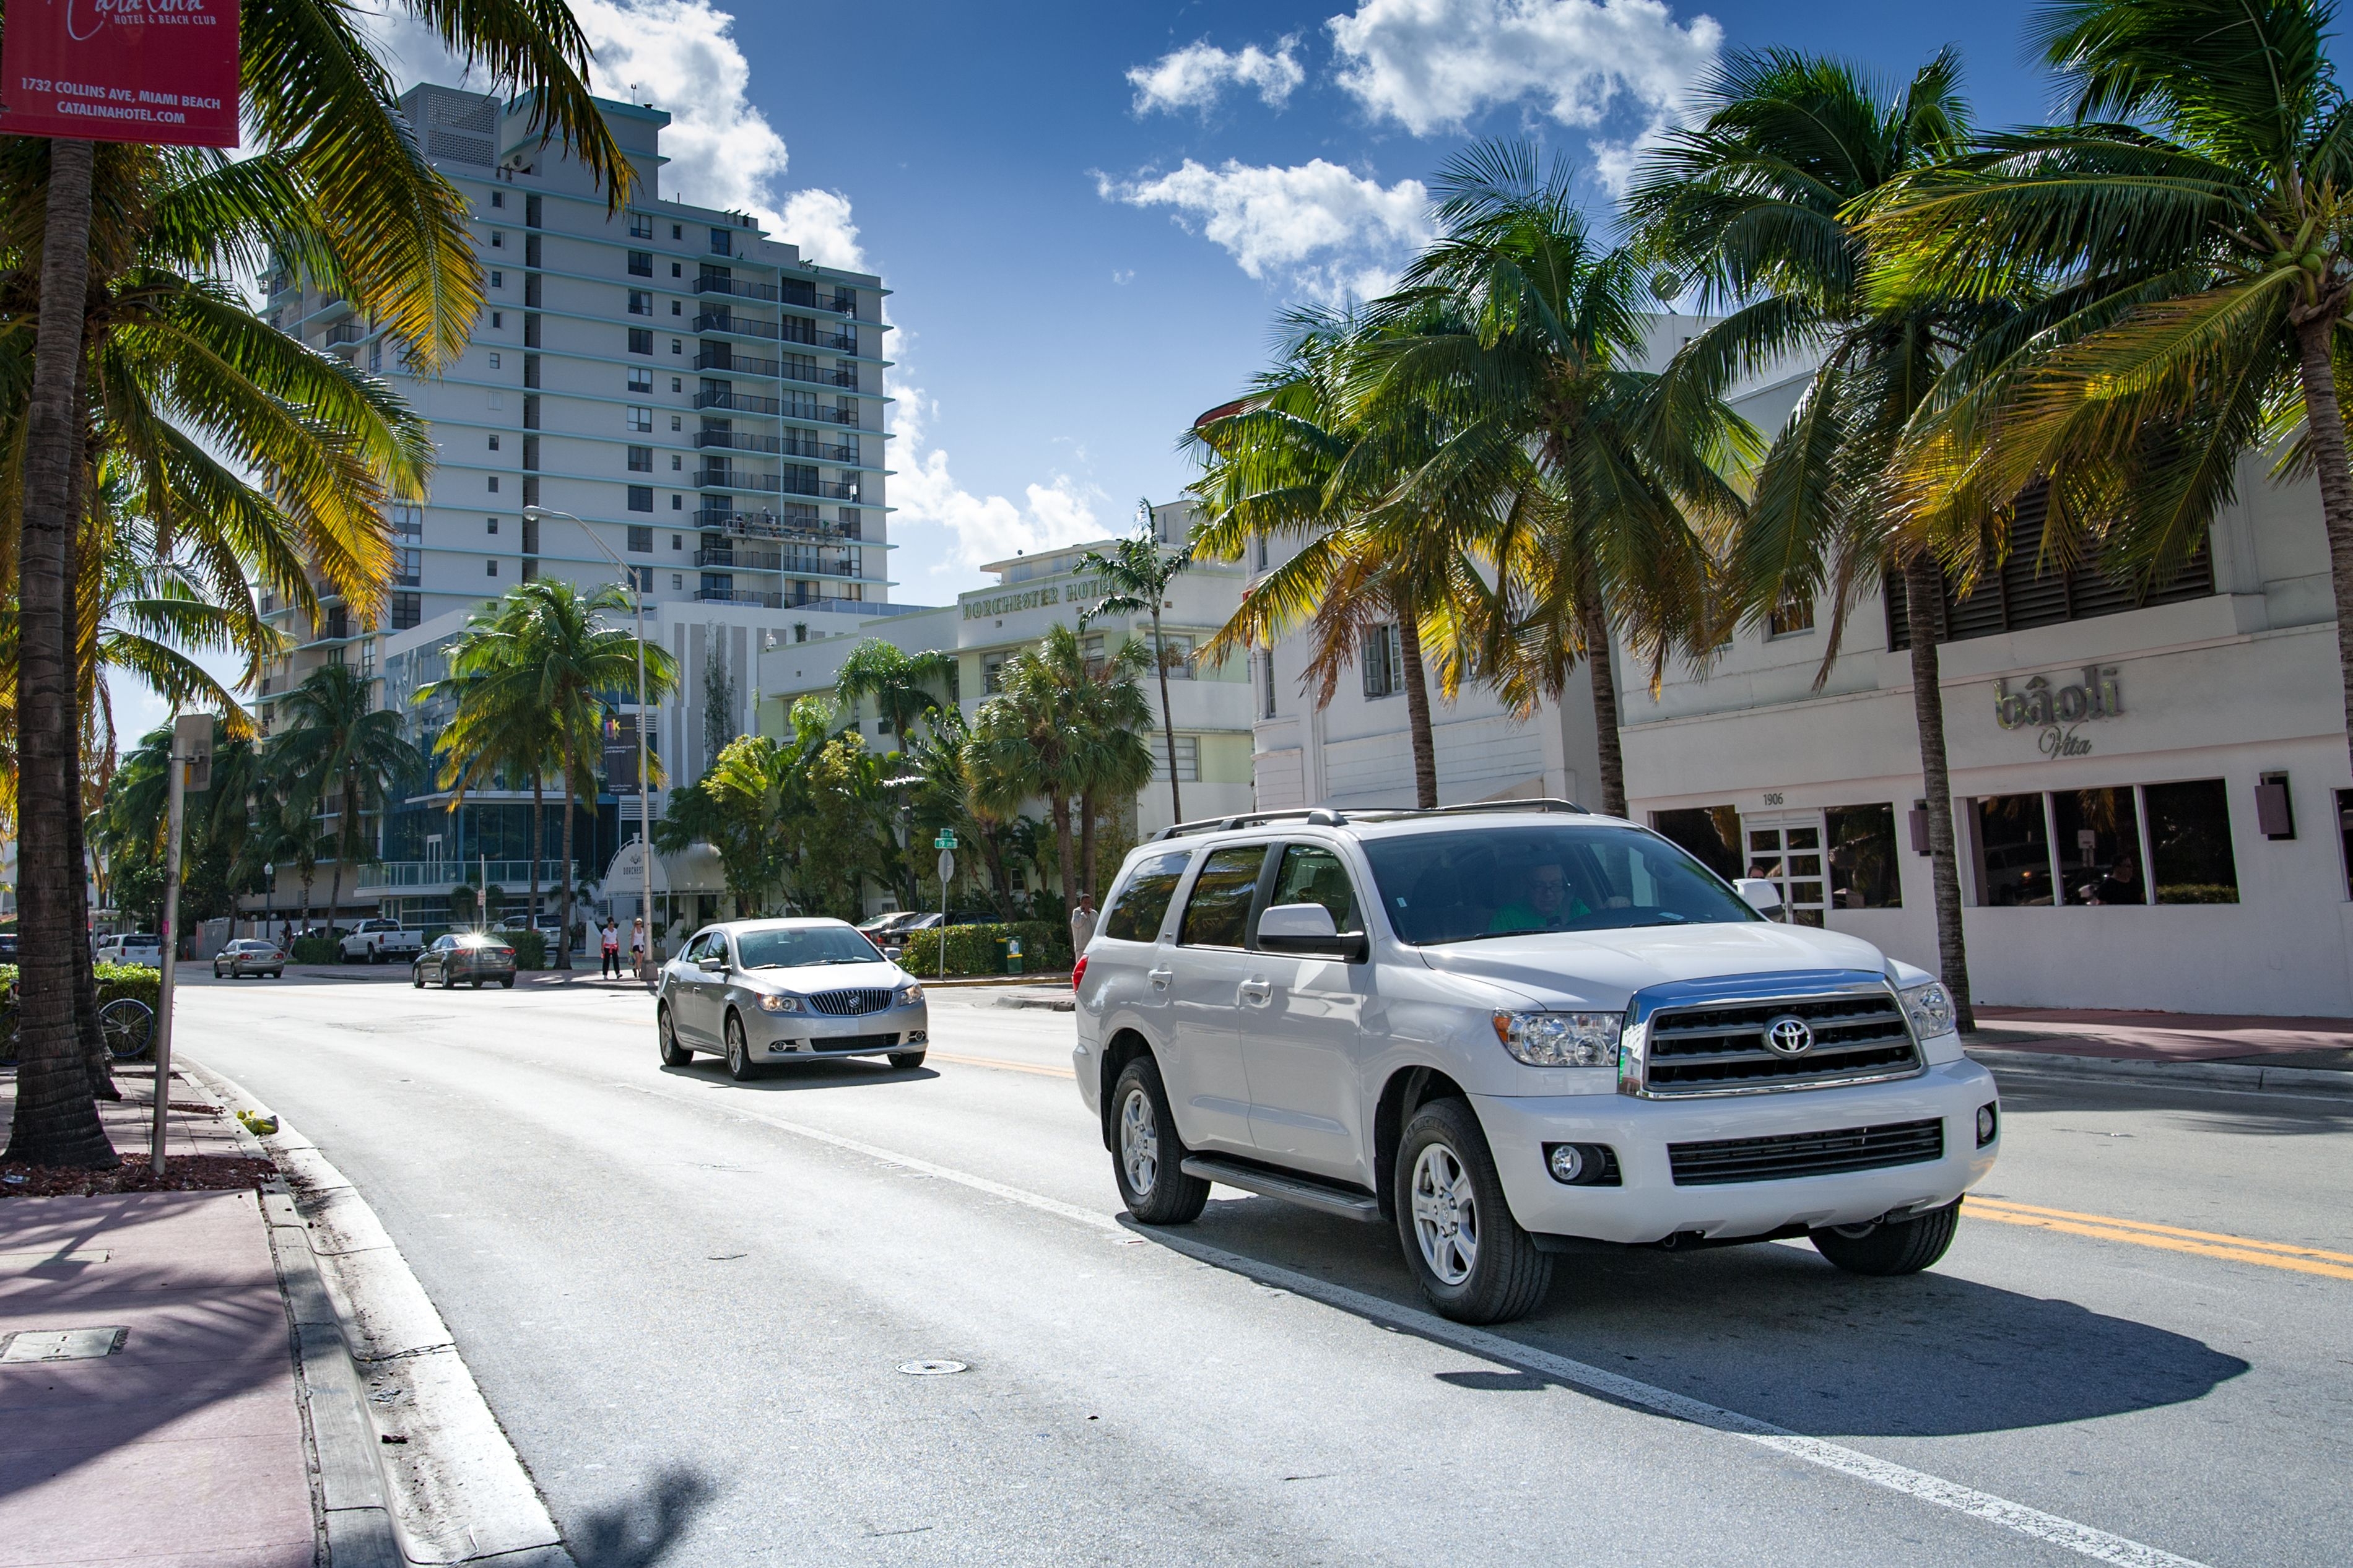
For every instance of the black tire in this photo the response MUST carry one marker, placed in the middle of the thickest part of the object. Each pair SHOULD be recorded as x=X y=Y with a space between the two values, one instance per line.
x=128 y=1027
x=449 y=978
x=506 y=982
x=1473 y=1262
x=375 y=955
x=1904 y=1246
x=1147 y=1158
x=277 y=974
x=416 y=975
x=673 y=1055
x=739 y=1065
x=906 y=1061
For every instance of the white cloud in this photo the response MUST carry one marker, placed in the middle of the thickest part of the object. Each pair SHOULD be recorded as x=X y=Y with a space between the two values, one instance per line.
x=1193 y=77
x=981 y=528
x=818 y=222
x=1429 y=64
x=1332 y=232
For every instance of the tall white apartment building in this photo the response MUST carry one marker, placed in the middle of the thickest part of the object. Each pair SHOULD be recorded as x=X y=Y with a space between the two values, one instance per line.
x=704 y=400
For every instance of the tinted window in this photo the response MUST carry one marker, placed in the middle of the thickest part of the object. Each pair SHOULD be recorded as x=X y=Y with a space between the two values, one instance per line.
x=1864 y=873
x=1135 y=915
x=794 y=947
x=1312 y=874
x=2189 y=843
x=2013 y=850
x=1219 y=910
x=1461 y=886
x=2099 y=846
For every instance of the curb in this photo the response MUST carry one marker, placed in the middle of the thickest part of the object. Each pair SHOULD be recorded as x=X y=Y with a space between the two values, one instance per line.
x=964 y=982
x=1057 y=1001
x=2209 y=1074
x=371 y=1342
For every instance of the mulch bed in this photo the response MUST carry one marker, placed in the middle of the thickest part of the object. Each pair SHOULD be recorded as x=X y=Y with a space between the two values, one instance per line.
x=185 y=1173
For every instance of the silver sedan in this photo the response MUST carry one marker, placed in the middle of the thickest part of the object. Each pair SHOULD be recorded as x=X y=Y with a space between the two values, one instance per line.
x=763 y=992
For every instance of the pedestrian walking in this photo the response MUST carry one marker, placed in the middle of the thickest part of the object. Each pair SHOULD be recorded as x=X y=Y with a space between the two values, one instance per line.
x=1082 y=924
x=638 y=944
x=612 y=945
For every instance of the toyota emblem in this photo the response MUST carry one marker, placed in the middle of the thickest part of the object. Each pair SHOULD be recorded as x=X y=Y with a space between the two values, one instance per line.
x=1788 y=1036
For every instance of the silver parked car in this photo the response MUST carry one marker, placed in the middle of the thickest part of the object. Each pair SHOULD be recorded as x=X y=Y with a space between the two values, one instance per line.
x=758 y=992
x=249 y=955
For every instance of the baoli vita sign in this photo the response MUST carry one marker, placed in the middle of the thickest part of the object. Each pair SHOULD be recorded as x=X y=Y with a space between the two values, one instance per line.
x=2056 y=710
x=161 y=71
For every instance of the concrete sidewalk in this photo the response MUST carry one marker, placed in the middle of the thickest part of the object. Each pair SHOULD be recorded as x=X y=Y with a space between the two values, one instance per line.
x=2325 y=1044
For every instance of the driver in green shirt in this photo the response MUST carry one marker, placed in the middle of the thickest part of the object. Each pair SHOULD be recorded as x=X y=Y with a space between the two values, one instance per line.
x=1549 y=904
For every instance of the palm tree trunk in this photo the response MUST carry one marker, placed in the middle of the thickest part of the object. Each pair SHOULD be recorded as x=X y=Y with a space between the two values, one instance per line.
x=538 y=810
x=1059 y=805
x=96 y=1059
x=56 y=1120
x=1601 y=669
x=1087 y=842
x=563 y=899
x=1924 y=608
x=1417 y=708
x=1168 y=721
x=2325 y=417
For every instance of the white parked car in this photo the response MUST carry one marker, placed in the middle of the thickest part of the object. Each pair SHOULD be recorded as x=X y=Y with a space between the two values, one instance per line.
x=1516 y=1034
x=144 y=949
x=759 y=992
x=380 y=942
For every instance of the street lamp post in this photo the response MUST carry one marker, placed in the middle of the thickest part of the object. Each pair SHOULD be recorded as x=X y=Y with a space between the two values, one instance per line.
x=645 y=791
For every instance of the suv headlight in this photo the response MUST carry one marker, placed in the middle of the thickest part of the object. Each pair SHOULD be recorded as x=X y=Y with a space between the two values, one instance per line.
x=1561 y=1039
x=1930 y=1008
x=910 y=994
x=780 y=1004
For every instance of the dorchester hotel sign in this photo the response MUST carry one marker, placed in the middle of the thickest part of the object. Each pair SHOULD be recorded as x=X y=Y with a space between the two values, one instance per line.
x=2056 y=712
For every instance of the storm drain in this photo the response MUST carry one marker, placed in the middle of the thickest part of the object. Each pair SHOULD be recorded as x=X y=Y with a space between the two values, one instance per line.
x=931 y=1368
x=29 y=1346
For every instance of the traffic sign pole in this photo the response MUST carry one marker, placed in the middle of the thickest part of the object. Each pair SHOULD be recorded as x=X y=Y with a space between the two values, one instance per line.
x=190 y=766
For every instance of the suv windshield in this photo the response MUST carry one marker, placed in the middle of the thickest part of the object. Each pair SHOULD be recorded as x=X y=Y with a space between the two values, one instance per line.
x=791 y=948
x=1503 y=881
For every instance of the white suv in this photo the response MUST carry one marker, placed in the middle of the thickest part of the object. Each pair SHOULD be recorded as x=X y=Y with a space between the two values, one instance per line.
x=1516 y=1031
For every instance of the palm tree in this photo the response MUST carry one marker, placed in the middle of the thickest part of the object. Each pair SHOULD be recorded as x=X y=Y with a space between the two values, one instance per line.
x=348 y=754
x=1526 y=334
x=370 y=215
x=2192 y=217
x=905 y=686
x=999 y=833
x=1756 y=204
x=1138 y=574
x=1023 y=740
x=1110 y=760
x=745 y=807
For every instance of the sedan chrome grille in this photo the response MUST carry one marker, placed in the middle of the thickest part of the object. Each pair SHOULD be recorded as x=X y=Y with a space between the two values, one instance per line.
x=1848 y=1036
x=851 y=1004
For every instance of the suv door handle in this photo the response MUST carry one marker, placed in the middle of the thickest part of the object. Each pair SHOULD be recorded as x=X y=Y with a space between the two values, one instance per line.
x=1257 y=989
x=1160 y=978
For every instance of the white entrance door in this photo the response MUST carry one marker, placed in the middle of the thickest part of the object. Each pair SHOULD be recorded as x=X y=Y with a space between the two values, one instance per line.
x=1786 y=850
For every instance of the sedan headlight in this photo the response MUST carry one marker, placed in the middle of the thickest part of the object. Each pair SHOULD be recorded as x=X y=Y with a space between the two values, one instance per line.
x=782 y=1005
x=1930 y=1008
x=910 y=994
x=1561 y=1039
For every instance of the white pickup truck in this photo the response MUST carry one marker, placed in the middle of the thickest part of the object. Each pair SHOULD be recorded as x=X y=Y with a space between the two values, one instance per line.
x=380 y=942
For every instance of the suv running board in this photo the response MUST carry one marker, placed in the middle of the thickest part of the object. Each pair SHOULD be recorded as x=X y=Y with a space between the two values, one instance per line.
x=1301 y=1190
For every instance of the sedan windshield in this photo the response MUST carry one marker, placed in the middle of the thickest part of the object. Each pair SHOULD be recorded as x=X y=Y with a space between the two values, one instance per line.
x=792 y=947
x=1505 y=882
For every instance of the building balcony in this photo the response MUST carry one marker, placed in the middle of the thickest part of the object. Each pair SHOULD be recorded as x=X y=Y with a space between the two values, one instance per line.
x=737 y=326
x=768 y=525
x=792 y=564
x=738 y=403
x=383 y=877
x=821 y=374
x=343 y=334
x=716 y=356
x=735 y=440
x=739 y=596
x=717 y=478
x=711 y=283
x=792 y=445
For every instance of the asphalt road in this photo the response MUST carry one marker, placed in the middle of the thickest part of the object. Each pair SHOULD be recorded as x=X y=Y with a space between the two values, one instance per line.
x=688 y=1300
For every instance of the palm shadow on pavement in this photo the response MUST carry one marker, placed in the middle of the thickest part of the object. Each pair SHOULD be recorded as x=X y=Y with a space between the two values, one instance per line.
x=639 y=1532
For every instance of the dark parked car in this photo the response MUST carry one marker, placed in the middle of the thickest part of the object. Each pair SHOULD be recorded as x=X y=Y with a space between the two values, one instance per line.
x=464 y=956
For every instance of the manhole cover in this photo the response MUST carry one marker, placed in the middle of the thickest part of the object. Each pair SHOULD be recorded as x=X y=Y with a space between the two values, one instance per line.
x=931 y=1368
x=60 y=1345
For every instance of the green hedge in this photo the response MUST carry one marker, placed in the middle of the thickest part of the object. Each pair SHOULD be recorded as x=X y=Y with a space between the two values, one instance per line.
x=317 y=950
x=529 y=947
x=980 y=949
x=113 y=980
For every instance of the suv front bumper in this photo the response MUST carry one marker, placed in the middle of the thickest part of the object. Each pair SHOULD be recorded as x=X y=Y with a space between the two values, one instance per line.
x=1648 y=1206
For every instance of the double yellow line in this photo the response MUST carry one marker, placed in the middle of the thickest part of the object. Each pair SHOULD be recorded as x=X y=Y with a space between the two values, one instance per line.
x=2168 y=1238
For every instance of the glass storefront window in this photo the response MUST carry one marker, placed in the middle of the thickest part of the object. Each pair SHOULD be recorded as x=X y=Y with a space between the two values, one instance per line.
x=2189 y=843
x=2344 y=830
x=1711 y=833
x=1862 y=857
x=2013 y=850
x=2099 y=846
x=1791 y=858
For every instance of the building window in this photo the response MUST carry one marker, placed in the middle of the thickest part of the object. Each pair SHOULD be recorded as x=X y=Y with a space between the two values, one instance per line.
x=641 y=460
x=992 y=669
x=641 y=264
x=641 y=497
x=2097 y=835
x=1177 y=655
x=676 y=309
x=676 y=462
x=1384 y=662
x=641 y=302
x=642 y=380
x=1862 y=857
x=642 y=540
x=2013 y=851
x=494 y=361
x=498 y=240
x=498 y=320
x=1791 y=617
x=641 y=342
x=640 y=418
x=490 y=525
x=1261 y=552
x=676 y=347
x=641 y=226
x=1188 y=760
x=408 y=609
x=407 y=565
x=678 y=504
x=494 y=484
x=1711 y=833
x=490 y=568
x=498 y=280
x=2344 y=829
x=677 y=581
x=673 y=420
x=1266 y=684
x=2191 y=860
x=494 y=443
x=722 y=242
x=498 y=198
x=674 y=270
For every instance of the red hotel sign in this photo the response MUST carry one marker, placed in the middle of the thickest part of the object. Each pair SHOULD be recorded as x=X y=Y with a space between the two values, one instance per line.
x=120 y=71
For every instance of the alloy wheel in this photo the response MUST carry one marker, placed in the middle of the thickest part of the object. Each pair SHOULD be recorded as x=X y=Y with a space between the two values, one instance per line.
x=1139 y=1142
x=1445 y=1215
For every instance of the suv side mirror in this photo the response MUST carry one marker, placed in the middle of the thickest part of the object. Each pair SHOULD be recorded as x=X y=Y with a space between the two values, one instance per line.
x=1763 y=896
x=1308 y=929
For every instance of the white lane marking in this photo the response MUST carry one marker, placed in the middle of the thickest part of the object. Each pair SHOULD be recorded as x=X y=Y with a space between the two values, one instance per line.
x=2031 y=1522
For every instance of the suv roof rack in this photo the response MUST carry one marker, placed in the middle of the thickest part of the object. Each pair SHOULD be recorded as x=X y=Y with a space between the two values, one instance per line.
x=1328 y=816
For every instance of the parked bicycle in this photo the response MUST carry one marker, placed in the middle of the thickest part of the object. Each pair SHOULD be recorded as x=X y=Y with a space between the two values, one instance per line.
x=127 y=1024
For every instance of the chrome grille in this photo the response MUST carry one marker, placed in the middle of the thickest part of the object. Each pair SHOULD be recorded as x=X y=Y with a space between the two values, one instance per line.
x=1860 y=1037
x=1788 y=1154
x=850 y=1004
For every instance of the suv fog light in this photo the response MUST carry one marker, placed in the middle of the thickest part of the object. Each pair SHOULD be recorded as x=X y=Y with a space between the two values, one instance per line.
x=1988 y=1124
x=1582 y=1164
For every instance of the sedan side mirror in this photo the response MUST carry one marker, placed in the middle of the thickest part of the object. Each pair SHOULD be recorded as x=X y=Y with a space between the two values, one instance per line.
x=1763 y=894
x=712 y=962
x=1307 y=928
